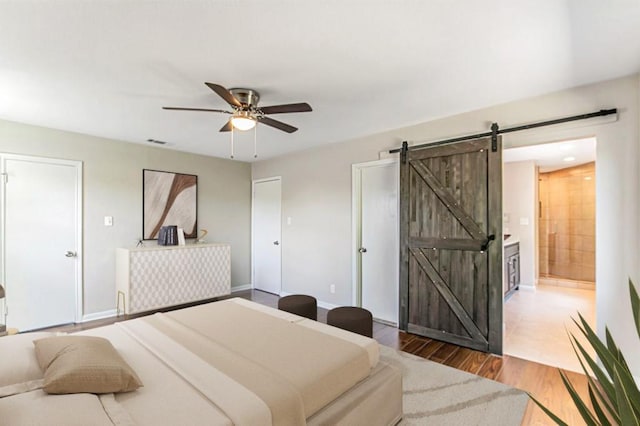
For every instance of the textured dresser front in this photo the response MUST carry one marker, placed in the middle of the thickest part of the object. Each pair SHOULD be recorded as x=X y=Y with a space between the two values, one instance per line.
x=152 y=278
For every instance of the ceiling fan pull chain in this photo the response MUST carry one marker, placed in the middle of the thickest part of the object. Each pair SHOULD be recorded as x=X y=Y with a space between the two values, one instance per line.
x=232 y=142
x=255 y=142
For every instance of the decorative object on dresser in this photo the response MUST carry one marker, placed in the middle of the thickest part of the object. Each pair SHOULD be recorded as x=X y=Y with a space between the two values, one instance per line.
x=149 y=278
x=168 y=235
x=204 y=234
x=169 y=199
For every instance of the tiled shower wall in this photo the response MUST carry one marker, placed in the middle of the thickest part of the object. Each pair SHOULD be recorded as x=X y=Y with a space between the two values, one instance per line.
x=567 y=223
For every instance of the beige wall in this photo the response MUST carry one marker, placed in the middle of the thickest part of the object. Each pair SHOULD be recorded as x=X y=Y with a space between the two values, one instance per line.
x=519 y=204
x=316 y=193
x=113 y=187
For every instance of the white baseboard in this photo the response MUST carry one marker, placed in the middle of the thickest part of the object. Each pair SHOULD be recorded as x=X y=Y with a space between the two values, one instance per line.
x=527 y=287
x=321 y=304
x=99 y=315
x=241 y=287
x=326 y=305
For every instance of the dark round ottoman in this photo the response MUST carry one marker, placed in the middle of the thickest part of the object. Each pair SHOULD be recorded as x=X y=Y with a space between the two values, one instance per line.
x=357 y=320
x=299 y=304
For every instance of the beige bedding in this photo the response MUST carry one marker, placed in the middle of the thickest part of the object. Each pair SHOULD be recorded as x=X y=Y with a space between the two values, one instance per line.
x=318 y=366
x=288 y=371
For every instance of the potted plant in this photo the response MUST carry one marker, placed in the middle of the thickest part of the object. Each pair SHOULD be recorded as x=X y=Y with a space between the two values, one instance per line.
x=614 y=397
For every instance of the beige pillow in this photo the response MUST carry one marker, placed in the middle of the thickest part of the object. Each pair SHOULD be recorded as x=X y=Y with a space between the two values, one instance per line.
x=75 y=364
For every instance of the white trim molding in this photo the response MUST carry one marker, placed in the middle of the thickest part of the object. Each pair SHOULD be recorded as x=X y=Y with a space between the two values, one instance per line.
x=320 y=303
x=241 y=288
x=99 y=315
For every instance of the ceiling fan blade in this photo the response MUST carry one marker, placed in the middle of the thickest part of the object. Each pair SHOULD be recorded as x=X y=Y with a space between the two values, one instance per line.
x=281 y=109
x=224 y=94
x=277 y=124
x=226 y=127
x=197 y=109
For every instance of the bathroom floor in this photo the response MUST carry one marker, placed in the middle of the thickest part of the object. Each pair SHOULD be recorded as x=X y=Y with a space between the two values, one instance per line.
x=536 y=324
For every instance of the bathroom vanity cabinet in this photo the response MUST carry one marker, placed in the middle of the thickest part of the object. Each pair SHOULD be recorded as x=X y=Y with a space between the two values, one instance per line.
x=511 y=277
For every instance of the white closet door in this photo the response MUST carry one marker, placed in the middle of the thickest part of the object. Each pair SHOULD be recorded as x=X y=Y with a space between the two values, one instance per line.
x=379 y=220
x=267 y=224
x=40 y=241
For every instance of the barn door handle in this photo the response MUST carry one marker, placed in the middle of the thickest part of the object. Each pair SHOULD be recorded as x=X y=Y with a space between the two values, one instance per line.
x=486 y=242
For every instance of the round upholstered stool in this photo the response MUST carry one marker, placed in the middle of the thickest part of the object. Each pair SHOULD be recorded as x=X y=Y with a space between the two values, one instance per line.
x=299 y=304
x=357 y=320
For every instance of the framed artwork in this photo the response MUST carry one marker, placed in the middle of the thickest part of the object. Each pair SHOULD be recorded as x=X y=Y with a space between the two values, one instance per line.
x=169 y=199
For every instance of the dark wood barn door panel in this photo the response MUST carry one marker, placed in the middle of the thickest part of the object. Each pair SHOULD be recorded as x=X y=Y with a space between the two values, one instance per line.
x=451 y=244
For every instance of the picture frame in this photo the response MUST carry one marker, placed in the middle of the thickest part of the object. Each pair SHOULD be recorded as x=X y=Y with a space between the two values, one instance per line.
x=169 y=199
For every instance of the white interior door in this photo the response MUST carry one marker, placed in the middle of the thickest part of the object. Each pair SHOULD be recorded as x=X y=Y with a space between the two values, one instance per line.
x=266 y=229
x=40 y=241
x=379 y=250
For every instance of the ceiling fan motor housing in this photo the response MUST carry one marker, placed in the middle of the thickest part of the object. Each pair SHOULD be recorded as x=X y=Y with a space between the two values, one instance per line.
x=247 y=97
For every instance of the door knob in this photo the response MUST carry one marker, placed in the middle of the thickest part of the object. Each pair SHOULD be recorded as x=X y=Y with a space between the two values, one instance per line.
x=276 y=243
x=362 y=250
x=70 y=254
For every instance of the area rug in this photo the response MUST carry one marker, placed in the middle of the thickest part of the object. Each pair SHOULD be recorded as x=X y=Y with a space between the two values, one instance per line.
x=434 y=394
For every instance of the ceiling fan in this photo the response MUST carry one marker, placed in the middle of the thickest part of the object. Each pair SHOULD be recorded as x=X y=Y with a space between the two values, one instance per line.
x=246 y=112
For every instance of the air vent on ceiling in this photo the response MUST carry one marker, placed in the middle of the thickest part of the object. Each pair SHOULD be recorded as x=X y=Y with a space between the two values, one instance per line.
x=157 y=142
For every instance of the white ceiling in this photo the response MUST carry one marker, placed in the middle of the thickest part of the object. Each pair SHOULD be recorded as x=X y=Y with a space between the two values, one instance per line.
x=554 y=156
x=106 y=67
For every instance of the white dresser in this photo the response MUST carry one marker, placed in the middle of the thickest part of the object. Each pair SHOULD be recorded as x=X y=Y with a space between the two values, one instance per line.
x=155 y=277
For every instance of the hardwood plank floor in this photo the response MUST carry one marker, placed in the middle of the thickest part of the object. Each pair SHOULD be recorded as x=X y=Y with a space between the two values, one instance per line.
x=542 y=381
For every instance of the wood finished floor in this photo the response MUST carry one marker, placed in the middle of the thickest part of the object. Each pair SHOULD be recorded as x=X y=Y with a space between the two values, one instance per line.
x=542 y=381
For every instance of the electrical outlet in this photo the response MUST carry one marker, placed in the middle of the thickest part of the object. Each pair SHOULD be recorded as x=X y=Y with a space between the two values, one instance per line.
x=332 y=288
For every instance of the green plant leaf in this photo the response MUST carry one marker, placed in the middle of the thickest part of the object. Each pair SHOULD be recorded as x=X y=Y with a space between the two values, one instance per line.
x=548 y=412
x=604 y=420
x=606 y=398
x=625 y=407
x=601 y=350
x=627 y=379
x=603 y=379
x=624 y=373
x=607 y=359
x=629 y=384
x=635 y=305
x=615 y=350
x=587 y=416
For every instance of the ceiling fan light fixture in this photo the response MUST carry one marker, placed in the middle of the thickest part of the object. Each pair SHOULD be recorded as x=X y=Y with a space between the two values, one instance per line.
x=243 y=121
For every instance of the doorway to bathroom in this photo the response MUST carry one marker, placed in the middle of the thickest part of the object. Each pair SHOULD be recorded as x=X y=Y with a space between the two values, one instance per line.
x=549 y=210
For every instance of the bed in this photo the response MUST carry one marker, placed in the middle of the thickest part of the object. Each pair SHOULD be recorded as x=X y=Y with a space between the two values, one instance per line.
x=222 y=363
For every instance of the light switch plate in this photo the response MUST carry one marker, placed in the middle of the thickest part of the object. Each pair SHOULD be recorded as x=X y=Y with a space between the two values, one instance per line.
x=524 y=221
x=108 y=221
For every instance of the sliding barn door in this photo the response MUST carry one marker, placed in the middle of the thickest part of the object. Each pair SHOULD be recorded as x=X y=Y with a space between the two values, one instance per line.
x=451 y=244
